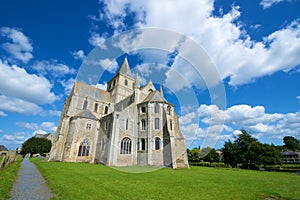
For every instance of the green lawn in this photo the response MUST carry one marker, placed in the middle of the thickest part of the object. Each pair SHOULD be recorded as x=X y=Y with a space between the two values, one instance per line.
x=8 y=176
x=89 y=181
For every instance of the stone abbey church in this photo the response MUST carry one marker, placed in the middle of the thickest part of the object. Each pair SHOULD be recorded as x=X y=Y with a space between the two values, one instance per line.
x=125 y=125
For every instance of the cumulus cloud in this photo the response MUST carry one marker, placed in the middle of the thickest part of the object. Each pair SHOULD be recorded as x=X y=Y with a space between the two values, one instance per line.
x=253 y=119
x=269 y=3
x=19 y=45
x=97 y=41
x=67 y=84
x=223 y=37
x=110 y=65
x=101 y=86
x=2 y=114
x=53 y=67
x=13 y=140
x=17 y=83
x=45 y=126
x=79 y=55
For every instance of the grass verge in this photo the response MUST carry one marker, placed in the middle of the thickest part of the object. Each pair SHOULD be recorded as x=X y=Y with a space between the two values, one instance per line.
x=8 y=176
x=89 y=181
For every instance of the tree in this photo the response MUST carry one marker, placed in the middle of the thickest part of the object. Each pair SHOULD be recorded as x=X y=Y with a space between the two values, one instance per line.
x=243 y=141
x=36 y=145
x=291 y=143
x=230 y=153
x=194 y=155
x=212 y=156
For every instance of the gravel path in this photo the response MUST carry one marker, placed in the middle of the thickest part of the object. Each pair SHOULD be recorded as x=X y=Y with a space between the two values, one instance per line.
x=30 y=184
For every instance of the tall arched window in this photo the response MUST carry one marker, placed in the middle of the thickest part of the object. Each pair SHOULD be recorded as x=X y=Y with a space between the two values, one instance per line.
x=85 y=104
x=126 y=82
x=143 y=109
x=156 y=108
x=156 y=123
x=143 y=141
x=157 y=143
x=143 y=121
x=96 y=107
x=171 y=125
x=84 y=148
x=106 y=110
x=125 y=146
x=169 y=110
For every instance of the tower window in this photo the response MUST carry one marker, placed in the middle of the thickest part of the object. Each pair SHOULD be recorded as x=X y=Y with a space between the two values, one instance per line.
x=169 y=110
x=125 y=146
x=143 y=124
x=156 y=123
x=126 y=126
x=88 y=126
x=156 y=108
x=85 y=104
x=157 y=143
x=171 y=125
x=106 y=110
x=143 y=109
x=96 y=107
x=126 y=82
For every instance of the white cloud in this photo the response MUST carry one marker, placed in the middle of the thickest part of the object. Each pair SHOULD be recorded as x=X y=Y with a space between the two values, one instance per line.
x=15 y=105
x=97 y=41
x=2 y=114
x=16 y=82
x=67 y=84
x=269 y=3
x=298 y=97
x=223 y=37
x=53 y=67
x=45 y=126
x=253 y=119
x=109 y=65
x=13 y=140
x=79 y=55
x=19 y=45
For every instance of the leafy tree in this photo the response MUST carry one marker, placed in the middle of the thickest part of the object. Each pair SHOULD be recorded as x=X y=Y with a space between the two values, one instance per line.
x=230 y=153
x=291 y=143
x=271 y=155
x=212 y=156
x=36 y=145
x=243 y=141
x=194 y=155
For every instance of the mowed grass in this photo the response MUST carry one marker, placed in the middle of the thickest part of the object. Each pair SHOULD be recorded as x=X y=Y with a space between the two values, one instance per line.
x=90 y=181
x=8 y=176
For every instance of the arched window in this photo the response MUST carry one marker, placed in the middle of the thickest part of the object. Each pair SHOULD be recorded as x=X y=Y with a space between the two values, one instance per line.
x=126 y=82
x=143 y=109
x=156 y=123
x=125 y=146
x=169 y=110
x=106 y=110
x=84 y=148
x=85 y=104
x=157 y=143
x=156 y=108
x=143 y=121
x=143 y=141
x=126 y=126
x=171 y=125
x=96 y=107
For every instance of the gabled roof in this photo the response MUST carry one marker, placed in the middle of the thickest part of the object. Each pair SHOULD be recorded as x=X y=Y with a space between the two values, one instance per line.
x=86 y=114
x=3 y=148
x=155 y=96
x=125 y=69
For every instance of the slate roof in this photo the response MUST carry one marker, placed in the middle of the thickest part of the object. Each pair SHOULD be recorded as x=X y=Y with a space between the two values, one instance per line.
x=125 y=69
x=3 y=148
x=86 y=114
x=155 y=96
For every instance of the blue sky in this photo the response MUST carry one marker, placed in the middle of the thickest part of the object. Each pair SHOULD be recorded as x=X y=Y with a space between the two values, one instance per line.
x=254 y=45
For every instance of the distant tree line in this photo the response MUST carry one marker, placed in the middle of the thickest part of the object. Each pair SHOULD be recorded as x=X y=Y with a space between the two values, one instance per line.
x=245 y=151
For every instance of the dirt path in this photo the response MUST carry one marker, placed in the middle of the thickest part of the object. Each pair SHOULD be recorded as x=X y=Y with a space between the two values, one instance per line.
x=30 y=184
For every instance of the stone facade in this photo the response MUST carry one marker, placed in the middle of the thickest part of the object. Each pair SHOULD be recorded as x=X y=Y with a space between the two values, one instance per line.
x=123 y=126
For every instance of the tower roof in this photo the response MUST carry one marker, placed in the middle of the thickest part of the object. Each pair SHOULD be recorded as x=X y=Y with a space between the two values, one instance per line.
x=125 y=69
